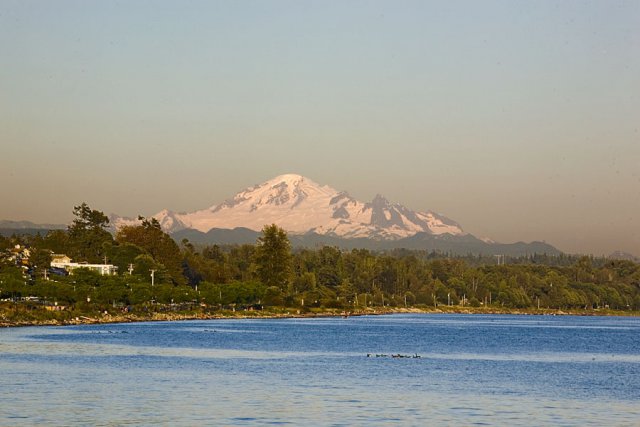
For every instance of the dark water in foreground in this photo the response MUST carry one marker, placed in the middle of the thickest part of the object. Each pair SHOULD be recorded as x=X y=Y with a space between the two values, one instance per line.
x=473 y=370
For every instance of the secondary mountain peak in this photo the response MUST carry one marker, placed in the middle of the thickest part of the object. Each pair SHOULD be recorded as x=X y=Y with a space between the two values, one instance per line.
x=380 y=200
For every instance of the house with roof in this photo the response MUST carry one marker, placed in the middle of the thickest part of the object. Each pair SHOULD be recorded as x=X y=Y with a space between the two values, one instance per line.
x=60 y=258
x=19 y=255
x=64 y=262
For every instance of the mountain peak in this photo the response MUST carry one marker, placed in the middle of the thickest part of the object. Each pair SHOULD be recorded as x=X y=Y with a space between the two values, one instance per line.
x=380 y=200
x=289 y=178
x=300 y=205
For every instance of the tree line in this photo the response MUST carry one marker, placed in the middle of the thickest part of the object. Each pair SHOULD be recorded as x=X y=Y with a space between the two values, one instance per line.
x=271 y=273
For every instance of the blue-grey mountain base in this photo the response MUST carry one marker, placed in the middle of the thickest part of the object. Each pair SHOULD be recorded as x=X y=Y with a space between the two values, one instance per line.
x=313 y=215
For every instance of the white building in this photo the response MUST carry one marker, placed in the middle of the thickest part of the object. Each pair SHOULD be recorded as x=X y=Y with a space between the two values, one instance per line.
x=63 y=261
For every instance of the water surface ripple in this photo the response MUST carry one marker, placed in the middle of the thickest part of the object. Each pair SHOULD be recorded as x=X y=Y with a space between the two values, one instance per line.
x=472 y=370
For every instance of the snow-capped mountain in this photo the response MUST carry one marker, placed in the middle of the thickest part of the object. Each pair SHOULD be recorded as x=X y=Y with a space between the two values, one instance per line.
x=300 y=205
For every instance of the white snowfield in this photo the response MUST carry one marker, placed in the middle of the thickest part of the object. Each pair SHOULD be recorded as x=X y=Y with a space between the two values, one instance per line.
x=300 y=205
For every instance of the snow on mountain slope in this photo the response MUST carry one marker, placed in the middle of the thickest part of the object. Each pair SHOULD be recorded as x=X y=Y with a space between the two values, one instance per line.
x=169 y=221
x=300 y=205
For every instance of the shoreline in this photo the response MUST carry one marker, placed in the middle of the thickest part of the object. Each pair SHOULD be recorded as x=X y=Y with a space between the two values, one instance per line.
x=109 y=318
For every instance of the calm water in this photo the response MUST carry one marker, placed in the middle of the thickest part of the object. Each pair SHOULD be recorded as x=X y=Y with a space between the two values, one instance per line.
x=473 y=370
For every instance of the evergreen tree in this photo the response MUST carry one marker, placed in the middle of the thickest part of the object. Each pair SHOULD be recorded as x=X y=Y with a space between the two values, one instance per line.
x=87 y=234
x=273 y=257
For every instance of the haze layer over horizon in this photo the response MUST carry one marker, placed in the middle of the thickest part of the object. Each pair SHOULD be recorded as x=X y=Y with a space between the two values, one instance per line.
x=519 y=120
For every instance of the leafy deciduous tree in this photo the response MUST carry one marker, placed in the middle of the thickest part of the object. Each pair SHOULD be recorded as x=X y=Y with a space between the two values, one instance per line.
x=150 y=237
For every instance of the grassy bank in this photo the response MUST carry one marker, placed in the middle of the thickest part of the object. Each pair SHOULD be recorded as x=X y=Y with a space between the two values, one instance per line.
x=26 y=314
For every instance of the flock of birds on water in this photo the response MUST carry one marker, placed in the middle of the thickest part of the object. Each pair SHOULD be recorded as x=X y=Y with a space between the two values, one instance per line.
x=396 y=356
x=393 y=356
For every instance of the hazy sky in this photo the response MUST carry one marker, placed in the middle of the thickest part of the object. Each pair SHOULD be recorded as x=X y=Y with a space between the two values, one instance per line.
x=518 y=119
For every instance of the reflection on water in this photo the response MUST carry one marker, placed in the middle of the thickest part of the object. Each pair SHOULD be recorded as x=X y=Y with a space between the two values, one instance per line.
x=472 y=370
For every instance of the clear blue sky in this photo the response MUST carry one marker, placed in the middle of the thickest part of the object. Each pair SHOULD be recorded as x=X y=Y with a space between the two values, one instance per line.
x=518 y=119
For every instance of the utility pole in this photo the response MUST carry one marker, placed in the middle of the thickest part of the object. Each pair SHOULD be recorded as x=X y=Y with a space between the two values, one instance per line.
x=152 y=277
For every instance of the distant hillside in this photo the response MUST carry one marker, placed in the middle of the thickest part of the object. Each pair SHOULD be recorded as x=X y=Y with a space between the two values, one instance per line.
x=624 y=256
x=457 y=245
x=461 y=244
x=237 y=236
x=20 y=225
x=9 y=228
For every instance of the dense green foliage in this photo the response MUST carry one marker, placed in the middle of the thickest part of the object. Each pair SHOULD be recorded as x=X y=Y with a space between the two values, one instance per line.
x=269 y=273
x=273 y=257
x=87 y=235
x=156 y=249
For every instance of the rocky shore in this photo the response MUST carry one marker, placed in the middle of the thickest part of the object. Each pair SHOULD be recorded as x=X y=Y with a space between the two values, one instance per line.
x=17 y=319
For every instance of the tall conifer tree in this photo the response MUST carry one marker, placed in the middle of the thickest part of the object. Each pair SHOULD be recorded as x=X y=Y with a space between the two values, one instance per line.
x=273 y=257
